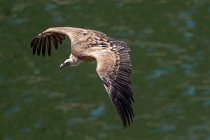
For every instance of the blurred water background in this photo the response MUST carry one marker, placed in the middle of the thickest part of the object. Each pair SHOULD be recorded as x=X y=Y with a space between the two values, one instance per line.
x=170 y=43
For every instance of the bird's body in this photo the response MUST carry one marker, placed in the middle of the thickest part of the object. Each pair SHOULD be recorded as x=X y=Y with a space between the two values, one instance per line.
x=112 y=56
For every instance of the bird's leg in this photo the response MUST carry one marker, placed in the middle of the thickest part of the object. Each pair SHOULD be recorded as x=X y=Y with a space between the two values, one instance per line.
x=72 y=61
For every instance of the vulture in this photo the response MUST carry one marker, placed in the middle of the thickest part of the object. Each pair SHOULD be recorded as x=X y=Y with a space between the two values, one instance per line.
x=112 y=57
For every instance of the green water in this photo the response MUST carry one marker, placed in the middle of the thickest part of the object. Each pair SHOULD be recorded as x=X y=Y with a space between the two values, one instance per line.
x=170 y=43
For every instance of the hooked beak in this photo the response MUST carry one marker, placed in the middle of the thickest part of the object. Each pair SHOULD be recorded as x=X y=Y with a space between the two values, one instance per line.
x=65 y=64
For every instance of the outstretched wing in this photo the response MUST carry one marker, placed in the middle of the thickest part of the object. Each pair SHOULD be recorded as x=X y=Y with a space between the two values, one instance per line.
x=114 y=69
x=45 y=40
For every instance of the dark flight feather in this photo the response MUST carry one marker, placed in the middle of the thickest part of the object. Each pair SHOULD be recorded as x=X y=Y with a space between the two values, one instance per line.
x=45 y=40
x=116 y=78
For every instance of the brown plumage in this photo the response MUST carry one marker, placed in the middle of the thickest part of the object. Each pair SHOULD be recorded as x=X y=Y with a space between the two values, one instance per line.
x=112 y=56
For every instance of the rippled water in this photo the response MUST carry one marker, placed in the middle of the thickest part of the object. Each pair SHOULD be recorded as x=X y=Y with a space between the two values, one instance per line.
x=170 y=81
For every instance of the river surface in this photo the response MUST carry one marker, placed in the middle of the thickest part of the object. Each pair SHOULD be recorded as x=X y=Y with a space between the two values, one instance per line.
x=170 y=43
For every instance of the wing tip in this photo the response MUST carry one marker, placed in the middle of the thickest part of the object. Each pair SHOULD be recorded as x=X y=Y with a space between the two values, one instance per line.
x=125 y=111
x=46 y=40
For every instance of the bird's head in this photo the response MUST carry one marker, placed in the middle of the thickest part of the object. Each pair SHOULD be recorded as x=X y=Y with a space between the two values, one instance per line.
x=71 y=62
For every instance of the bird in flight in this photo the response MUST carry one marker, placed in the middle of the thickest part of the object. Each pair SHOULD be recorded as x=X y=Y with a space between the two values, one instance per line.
x=111 y=55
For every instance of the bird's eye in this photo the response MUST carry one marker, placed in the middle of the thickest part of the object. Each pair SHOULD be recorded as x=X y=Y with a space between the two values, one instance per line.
x=84 y=33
